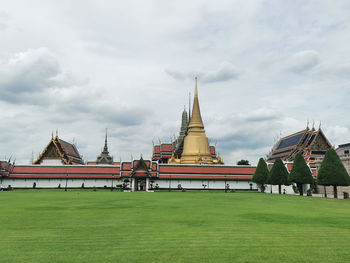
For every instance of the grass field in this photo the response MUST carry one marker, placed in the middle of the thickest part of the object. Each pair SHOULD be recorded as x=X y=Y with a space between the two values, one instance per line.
x=103 y=226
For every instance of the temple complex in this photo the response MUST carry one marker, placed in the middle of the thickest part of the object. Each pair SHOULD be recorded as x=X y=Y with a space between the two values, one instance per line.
x=186 y=162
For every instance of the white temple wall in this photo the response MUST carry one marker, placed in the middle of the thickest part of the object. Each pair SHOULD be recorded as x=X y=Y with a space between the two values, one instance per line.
x=209 y=184
x=288 y=188
x=51 y=162
x=53 y=183
x=163 y=184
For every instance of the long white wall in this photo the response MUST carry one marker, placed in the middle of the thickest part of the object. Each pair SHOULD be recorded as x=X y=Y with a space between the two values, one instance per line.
x=163 y=184
x=54 y=183
x=209 y=184
x=288 y=189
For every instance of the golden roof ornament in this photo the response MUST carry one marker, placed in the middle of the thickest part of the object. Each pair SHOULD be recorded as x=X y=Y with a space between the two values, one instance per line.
x=196 y=118
x=196 y=144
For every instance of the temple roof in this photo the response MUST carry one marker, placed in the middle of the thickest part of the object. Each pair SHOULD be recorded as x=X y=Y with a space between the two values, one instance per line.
x=60 y=149
x=300 y=142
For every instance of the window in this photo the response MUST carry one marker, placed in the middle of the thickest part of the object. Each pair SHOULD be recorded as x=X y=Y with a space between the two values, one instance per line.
x=346 y=152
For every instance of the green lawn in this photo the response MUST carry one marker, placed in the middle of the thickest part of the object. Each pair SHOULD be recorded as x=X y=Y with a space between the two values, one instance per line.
x=103 y=226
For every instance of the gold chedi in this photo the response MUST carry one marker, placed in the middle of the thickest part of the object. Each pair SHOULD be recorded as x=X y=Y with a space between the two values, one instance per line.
x=196 y=144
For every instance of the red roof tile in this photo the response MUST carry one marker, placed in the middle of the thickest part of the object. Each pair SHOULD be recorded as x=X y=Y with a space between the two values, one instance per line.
x=70 y=149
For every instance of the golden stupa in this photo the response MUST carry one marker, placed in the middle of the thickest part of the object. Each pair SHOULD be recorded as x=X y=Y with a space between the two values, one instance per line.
x=196 y=144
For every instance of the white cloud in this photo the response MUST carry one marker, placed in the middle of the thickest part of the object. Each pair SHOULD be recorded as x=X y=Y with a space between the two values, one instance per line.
x=338 y=134
x=225 y=72
x=303 y=61
x=32 y=70
x=129 y=67
x=261 y=114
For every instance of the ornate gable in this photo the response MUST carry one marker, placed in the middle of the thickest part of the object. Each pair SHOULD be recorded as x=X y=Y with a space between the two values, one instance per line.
x=320 y=142
x=61 y=150
x=51 y=152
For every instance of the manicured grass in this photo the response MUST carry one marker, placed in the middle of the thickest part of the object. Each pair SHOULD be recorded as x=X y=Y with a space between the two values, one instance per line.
x=103 y=226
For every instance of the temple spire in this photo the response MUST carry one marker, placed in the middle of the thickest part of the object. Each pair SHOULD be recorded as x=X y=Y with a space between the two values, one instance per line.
x=196 y=144
x=105 y=148
x=196 y=118
x=104 y=157
x=189 y=107
x=195 y=89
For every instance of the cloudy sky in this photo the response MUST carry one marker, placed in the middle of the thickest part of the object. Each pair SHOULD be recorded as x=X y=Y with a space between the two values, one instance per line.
x=264 y=68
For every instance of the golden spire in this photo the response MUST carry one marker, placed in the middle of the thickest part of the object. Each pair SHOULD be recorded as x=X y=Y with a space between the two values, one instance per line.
x=196 y=118
x=196 y=144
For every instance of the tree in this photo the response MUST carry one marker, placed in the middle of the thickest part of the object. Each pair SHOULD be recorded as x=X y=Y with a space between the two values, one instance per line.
x=278 y=175
x=332 y=172
x=243 y=162
x=261 y=174
x=300 y=173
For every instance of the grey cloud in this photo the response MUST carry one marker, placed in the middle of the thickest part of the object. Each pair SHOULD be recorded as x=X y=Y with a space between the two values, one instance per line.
x=241 y=140
x=178 y=75
x=90 y=106
x=225 y=72
x=124 y=49
x=4 y=17
x=33 y=70
x=26 y=76
x=303 y=61
x=33 y=77
x=262 y=114
x=341 y=71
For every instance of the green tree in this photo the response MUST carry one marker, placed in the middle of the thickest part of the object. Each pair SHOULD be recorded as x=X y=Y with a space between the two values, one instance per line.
x=261 y=174
x=278 y=175
x=243 y=162
x=300 y=173
x=332 y=172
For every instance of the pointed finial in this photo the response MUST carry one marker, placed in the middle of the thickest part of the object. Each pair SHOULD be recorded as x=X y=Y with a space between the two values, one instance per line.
x=106 y=138
x=189 y=107
x=313 y=125
x=307 y=124
x=319 y=126
x=52 y=135
x=105 y=148
x=56 y=132
x=196 y=118
x=196 y=90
